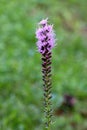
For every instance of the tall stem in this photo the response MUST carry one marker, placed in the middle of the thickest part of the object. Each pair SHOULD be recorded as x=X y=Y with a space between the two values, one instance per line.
x=46 y=70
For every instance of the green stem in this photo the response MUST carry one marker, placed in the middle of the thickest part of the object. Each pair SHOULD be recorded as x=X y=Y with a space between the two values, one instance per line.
x=47 y=89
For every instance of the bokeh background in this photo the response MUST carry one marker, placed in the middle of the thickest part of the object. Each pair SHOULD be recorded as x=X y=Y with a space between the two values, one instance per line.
x=21 y=92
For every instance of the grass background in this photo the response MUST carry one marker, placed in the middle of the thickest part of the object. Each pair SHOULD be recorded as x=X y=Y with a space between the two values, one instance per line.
x=21 y=94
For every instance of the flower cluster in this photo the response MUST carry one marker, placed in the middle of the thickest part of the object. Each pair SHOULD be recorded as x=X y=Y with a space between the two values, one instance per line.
x=45 y=36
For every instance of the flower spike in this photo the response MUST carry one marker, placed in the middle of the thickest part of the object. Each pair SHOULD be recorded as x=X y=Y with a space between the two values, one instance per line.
x=46 y=41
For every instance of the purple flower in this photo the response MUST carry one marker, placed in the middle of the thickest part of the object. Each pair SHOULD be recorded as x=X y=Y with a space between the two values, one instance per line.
x=45 y=36
x=45 y=43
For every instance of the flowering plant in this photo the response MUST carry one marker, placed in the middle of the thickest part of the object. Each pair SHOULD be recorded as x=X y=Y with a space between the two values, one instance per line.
x=45 y=43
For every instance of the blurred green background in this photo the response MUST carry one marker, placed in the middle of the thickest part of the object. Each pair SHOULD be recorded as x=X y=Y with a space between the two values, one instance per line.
x=21 y=92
